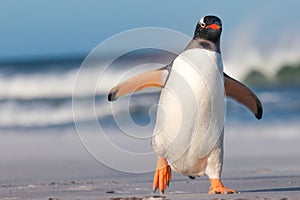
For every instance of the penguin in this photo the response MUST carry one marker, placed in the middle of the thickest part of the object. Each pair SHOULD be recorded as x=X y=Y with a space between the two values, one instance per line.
x=189 y=129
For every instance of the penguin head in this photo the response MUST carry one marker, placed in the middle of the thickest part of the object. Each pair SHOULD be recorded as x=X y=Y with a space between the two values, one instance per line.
x=209 y=28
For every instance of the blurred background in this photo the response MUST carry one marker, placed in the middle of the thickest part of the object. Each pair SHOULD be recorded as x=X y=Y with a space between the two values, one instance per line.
x=43 y=44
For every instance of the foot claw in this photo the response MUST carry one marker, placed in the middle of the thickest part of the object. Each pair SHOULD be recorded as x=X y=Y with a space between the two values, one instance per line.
x=222 y=191
x=154 y=190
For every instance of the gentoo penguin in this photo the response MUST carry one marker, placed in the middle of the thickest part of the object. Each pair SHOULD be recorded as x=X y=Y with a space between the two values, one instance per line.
x=188 y=134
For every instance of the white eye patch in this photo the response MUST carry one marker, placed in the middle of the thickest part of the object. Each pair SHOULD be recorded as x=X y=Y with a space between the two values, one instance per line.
x=201 y=22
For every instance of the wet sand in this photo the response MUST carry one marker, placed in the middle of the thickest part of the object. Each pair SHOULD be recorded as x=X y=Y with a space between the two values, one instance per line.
x=53 y=166
x=261 y=184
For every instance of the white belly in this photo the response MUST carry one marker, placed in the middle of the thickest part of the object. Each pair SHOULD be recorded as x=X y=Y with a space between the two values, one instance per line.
x=190 y=116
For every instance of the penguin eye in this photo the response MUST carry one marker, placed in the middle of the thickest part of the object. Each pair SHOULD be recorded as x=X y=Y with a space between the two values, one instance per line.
x=202 y=24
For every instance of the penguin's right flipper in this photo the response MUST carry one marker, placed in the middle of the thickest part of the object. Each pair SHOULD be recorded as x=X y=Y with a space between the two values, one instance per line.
x=156 y=78
x=243 y=95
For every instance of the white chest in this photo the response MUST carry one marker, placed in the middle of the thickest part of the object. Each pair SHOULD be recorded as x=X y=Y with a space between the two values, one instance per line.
x=190 y=115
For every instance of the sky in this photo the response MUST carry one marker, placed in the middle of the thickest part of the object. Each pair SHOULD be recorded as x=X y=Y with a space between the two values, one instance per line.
x=254 y=32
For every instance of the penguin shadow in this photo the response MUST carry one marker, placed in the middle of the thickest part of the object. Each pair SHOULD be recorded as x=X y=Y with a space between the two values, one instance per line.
x=281 y=189
x=289 y=189
x=263 y=177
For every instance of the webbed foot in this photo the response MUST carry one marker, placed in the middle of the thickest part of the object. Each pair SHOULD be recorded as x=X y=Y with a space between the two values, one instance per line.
x=162 y=176
x=217 y=187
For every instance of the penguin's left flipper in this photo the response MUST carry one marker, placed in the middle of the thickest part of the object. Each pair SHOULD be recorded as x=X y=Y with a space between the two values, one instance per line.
x=156 y=78
x=243 y=95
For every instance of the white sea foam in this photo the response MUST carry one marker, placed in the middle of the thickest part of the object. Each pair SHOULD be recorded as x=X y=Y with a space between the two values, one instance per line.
x=50 y=85
x=262 y=42
x=61 y=84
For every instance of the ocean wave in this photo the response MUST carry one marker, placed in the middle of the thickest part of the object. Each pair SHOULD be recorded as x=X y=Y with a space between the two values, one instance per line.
x=59 y=111
x=44 y=97
x=53 y=85
x=37 y=85
x=94 y=80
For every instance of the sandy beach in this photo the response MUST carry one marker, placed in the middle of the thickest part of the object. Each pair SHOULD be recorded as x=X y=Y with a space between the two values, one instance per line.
x=57 y=166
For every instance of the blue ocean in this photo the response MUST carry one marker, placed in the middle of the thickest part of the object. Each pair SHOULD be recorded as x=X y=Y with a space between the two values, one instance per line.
x=39 y=93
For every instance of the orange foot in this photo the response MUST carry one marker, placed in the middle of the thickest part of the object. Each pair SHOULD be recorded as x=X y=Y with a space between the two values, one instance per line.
x=162 y=176
x=217 y=187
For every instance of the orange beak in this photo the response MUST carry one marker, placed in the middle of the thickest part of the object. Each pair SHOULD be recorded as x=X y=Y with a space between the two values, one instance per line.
x=213 y=26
